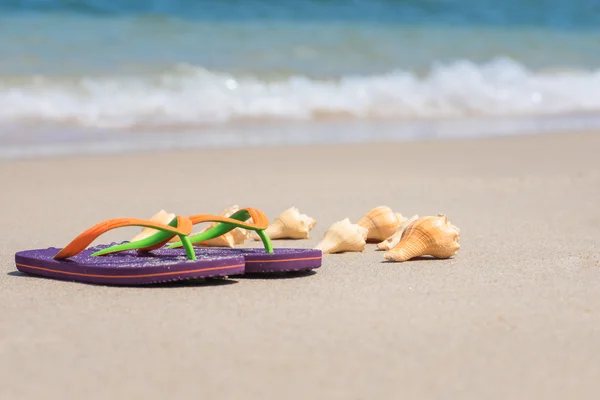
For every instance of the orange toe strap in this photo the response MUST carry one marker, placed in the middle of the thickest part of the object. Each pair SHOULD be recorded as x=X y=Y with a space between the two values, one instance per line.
x=238 y=219
x=259 y=219
x=81 y=242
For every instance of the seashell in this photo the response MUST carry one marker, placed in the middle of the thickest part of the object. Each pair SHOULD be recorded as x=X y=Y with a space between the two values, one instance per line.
x=393 y=240
x=225 y=240
x=239 y=234
x=381 y=223
x=229 y=239
x=290 y=224
x=432 y=236
x=343 y=236
x=161 y=217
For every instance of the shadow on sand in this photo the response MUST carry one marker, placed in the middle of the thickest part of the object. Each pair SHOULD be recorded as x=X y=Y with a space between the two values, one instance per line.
x=175 y=284
x=277 y=275
x=420 y=258
x=222 y=281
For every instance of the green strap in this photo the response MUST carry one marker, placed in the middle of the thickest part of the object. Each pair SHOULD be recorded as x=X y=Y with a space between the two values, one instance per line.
x=156 y=238
x=224 y=227
x=266 y=240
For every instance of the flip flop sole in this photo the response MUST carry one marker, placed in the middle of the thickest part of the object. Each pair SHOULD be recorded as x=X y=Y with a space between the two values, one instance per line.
x=281 y=260
x=127 y=268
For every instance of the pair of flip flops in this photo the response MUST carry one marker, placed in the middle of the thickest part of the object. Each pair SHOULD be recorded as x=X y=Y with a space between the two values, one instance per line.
x=155 y=260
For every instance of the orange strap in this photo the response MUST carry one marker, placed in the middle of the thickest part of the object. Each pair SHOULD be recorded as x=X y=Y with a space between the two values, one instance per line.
x=81 y=242
x=259 y=219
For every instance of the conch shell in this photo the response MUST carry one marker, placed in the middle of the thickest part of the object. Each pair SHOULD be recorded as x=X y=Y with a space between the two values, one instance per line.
x=161 y=217
x=290 y=224
x=343 y=236
x=393 y=240
x=381 y=223
x=433 y=236
x=229 y=239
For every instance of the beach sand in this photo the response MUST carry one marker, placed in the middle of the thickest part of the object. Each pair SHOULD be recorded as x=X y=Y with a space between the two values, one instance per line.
x=515 y=314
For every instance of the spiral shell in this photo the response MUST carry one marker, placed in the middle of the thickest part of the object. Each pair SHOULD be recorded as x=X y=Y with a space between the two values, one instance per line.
x=433 y=235
x=393 y=240
x=381 y=223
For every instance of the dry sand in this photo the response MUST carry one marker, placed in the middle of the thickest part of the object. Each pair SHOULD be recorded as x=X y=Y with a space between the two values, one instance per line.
x=516 y=314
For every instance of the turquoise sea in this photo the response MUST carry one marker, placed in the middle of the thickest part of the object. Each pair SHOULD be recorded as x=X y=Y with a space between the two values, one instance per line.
x=118 y=75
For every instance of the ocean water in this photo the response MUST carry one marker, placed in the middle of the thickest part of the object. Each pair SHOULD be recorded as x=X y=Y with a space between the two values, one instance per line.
x=81 y=76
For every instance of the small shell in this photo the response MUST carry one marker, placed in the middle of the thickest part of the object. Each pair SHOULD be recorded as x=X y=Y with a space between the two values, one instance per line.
x=225 y=240
x=343 y=236
x=161 y=217
x=393 y=240
x=229 y=239
x=290 y=224
x=239 y=234
x=381 y=222
x=433 y=236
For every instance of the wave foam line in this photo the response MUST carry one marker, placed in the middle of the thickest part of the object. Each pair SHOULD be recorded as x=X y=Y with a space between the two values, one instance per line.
x=189 y=96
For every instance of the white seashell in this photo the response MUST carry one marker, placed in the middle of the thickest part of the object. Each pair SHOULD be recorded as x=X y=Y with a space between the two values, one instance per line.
x=393 y=240
x=290 y=224
x=343 y=236
x=161 y=217
x=433 y=236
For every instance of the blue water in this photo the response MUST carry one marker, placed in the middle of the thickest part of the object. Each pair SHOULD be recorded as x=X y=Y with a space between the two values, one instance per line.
x=578 y=14
x=99 y=73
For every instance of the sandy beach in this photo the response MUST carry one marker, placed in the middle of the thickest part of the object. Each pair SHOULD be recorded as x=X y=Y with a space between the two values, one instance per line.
x=516 y=314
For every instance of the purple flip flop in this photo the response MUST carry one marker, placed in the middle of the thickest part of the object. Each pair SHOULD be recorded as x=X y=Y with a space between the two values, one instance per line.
x=128 y=267
x=265 y=260
x=119 y=264
x=281 y=260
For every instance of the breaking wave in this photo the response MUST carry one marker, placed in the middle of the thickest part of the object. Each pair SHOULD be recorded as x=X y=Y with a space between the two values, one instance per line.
x=189 y=96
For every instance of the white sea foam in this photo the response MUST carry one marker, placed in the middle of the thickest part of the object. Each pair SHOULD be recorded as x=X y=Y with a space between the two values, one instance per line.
x=190 y=96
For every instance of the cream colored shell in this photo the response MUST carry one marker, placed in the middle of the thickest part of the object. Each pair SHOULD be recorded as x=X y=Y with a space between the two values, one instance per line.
x=343 y=236
x=239 y=235
x=381 y=222
x=229 y=239
x=290 y=224
x=433 y=235
x=161 y=217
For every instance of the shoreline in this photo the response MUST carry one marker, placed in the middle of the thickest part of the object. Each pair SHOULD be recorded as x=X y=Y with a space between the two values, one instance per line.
x=513 y=315
x=22 y=143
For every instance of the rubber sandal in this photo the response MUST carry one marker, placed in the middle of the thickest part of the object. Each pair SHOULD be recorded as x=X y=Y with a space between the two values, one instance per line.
x=257 y=260
x=149 y=263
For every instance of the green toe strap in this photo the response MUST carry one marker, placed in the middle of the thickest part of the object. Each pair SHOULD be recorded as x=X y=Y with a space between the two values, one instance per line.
x=157 y=240
x=226 y=224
